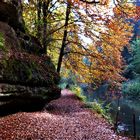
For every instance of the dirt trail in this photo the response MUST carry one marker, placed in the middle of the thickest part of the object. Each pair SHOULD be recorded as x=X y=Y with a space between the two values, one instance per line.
x=62 y=119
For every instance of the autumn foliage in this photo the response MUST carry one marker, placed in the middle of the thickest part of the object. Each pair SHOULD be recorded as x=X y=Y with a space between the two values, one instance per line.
x=105 y=26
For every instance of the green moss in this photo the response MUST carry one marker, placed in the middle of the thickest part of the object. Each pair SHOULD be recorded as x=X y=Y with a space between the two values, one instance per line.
x=2 y=41
x=28 y=71
x=15 y=69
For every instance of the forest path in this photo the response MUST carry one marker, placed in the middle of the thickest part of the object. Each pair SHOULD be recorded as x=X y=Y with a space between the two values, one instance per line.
x=62 y=119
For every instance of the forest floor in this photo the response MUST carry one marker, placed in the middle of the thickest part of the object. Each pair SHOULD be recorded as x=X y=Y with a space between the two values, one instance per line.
x=63 y=119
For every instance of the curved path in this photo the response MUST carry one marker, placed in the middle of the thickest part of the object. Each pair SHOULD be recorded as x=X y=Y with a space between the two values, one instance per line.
x=62 y=119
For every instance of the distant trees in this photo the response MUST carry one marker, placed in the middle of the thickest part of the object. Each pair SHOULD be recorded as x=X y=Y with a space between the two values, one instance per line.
x=131 y=88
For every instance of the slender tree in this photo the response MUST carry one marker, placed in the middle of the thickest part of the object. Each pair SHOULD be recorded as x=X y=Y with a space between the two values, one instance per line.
x=39 y=5
x=64 y=37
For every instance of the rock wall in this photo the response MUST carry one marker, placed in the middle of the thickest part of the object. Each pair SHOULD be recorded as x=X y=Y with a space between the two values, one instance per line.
x=10 y=13
x=28 y=79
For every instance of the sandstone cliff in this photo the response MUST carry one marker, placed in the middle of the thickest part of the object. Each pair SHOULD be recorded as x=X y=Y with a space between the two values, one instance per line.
x=28 y=78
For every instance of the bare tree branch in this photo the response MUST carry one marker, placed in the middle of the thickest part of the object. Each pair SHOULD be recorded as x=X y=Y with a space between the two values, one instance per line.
x=90 y=2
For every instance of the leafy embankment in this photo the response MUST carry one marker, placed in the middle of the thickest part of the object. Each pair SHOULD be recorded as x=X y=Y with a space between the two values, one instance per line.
x=63 y=119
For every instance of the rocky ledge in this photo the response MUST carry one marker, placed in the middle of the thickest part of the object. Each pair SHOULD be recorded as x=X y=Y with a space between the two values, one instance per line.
x=28 y=79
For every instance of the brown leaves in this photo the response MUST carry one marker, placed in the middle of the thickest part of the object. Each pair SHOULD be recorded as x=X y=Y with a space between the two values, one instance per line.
x=67 y=119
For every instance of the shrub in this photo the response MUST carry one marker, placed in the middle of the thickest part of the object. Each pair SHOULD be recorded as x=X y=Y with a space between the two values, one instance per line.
x=135 y=46
x=131 y=89
x=78 y=92
x=100 y=109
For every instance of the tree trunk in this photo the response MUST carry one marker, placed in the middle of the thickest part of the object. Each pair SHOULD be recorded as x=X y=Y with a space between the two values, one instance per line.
x=39 y=19
x=64 y=38
x=45 y=13
x=20 y=10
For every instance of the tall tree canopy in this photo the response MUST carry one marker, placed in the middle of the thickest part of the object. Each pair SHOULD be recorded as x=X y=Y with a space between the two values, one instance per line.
x=84 y=36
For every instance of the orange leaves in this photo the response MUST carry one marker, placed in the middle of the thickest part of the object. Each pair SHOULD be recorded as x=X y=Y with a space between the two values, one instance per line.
x=100 y=60
x=103 y=57
x=119 y=34
x=73 y=2
x=126 y=10
x=104 y=2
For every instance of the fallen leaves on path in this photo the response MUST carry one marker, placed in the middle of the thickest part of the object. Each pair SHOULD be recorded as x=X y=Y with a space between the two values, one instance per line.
x=62 y=119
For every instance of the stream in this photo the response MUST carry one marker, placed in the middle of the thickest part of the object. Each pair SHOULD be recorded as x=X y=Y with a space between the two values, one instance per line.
x=127 y=109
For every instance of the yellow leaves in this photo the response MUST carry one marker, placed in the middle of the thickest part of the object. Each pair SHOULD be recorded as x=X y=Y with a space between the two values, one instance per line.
x=103 y=59
x=64 y=73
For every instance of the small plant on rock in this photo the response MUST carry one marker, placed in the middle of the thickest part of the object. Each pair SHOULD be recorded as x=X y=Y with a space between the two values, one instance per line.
x=2 y=42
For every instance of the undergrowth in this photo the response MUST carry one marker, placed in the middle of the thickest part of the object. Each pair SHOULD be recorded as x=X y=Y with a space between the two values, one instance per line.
x=97 y=106
x=79 y=93
x=101 y=109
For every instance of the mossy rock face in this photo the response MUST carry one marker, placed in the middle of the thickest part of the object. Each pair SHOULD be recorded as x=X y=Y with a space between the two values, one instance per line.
x=28 y=80
x=9 y=14
x=27 y=72
x=30 y=44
